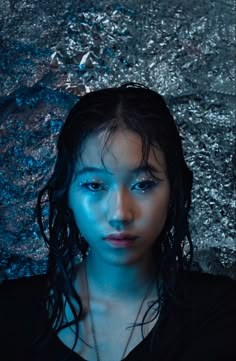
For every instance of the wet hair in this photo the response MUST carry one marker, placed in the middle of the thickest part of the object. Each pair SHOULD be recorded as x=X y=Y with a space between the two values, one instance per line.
x=144 y=112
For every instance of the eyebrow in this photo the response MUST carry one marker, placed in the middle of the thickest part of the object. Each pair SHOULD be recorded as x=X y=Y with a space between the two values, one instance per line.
x=142 y=169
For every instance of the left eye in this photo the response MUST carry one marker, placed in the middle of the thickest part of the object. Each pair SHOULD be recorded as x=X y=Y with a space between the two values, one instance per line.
x=144 y=186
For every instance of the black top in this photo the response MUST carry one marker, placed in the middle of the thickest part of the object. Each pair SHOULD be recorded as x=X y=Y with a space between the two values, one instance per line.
x=202 y=328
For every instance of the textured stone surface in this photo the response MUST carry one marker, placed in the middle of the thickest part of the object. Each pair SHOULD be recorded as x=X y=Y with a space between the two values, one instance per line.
x=53 y=51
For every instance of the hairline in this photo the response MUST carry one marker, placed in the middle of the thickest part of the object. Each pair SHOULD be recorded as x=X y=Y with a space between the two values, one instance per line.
x=116 y=125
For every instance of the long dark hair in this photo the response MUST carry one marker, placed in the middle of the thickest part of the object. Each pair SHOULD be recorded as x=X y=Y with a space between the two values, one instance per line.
x=145 y=112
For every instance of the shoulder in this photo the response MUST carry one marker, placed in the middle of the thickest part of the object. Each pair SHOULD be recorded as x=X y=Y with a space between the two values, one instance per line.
x=205 y=278
x=207 y=314
x=22 y=289
x=11 y=284
x=21 y=299
x=22 y=311
x=202 y=288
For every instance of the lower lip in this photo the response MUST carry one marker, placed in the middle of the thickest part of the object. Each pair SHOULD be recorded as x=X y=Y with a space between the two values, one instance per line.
x=121 y=243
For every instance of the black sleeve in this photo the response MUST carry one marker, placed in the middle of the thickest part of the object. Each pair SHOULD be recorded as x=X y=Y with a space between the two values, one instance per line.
x=21 y=317
x=199 y=325
x=213 y=320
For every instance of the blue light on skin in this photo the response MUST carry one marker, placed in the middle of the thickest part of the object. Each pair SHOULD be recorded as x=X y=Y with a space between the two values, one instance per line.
x=109 y=195
x=98 y=185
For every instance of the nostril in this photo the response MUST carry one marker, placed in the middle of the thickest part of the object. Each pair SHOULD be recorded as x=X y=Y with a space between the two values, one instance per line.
x=120 y=224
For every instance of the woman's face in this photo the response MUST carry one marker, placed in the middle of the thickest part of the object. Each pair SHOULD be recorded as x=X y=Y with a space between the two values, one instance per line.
x=118 y=206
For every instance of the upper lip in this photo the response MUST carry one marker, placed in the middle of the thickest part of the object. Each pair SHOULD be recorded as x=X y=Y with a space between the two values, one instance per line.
x=121 y=235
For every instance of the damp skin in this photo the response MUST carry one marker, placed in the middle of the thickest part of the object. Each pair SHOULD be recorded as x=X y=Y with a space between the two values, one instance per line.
x=111 y=192
x=97 y=186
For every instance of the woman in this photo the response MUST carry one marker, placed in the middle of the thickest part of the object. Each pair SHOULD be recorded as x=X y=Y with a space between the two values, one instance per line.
x=118 y=285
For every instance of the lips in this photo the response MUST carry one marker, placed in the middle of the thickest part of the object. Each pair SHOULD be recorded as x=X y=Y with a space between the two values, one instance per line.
x=120 y=236
x=120 y=240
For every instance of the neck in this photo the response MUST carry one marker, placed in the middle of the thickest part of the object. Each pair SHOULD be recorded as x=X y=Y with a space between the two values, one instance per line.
x=118 y=281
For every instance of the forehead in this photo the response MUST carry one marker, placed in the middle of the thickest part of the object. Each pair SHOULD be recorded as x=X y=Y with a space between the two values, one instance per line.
x=117 y=151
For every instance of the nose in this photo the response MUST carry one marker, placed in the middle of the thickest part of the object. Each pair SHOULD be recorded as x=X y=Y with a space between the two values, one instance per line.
x=120 y=209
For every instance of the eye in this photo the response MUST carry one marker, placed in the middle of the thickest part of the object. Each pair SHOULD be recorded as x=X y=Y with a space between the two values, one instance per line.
x=93 y=186
x=145 y=185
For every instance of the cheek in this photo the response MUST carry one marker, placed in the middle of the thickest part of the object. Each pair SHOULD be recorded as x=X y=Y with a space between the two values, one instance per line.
x=86 y=215
x=156 y=213
x=84 y=221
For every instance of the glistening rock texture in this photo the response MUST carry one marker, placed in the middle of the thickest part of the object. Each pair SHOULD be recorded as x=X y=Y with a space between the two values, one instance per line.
x=54 y=51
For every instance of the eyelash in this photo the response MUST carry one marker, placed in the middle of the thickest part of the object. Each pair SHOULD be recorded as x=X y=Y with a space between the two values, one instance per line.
x=151 y=184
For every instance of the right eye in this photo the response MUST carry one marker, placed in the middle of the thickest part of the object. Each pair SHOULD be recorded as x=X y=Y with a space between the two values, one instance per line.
x=93 y=186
